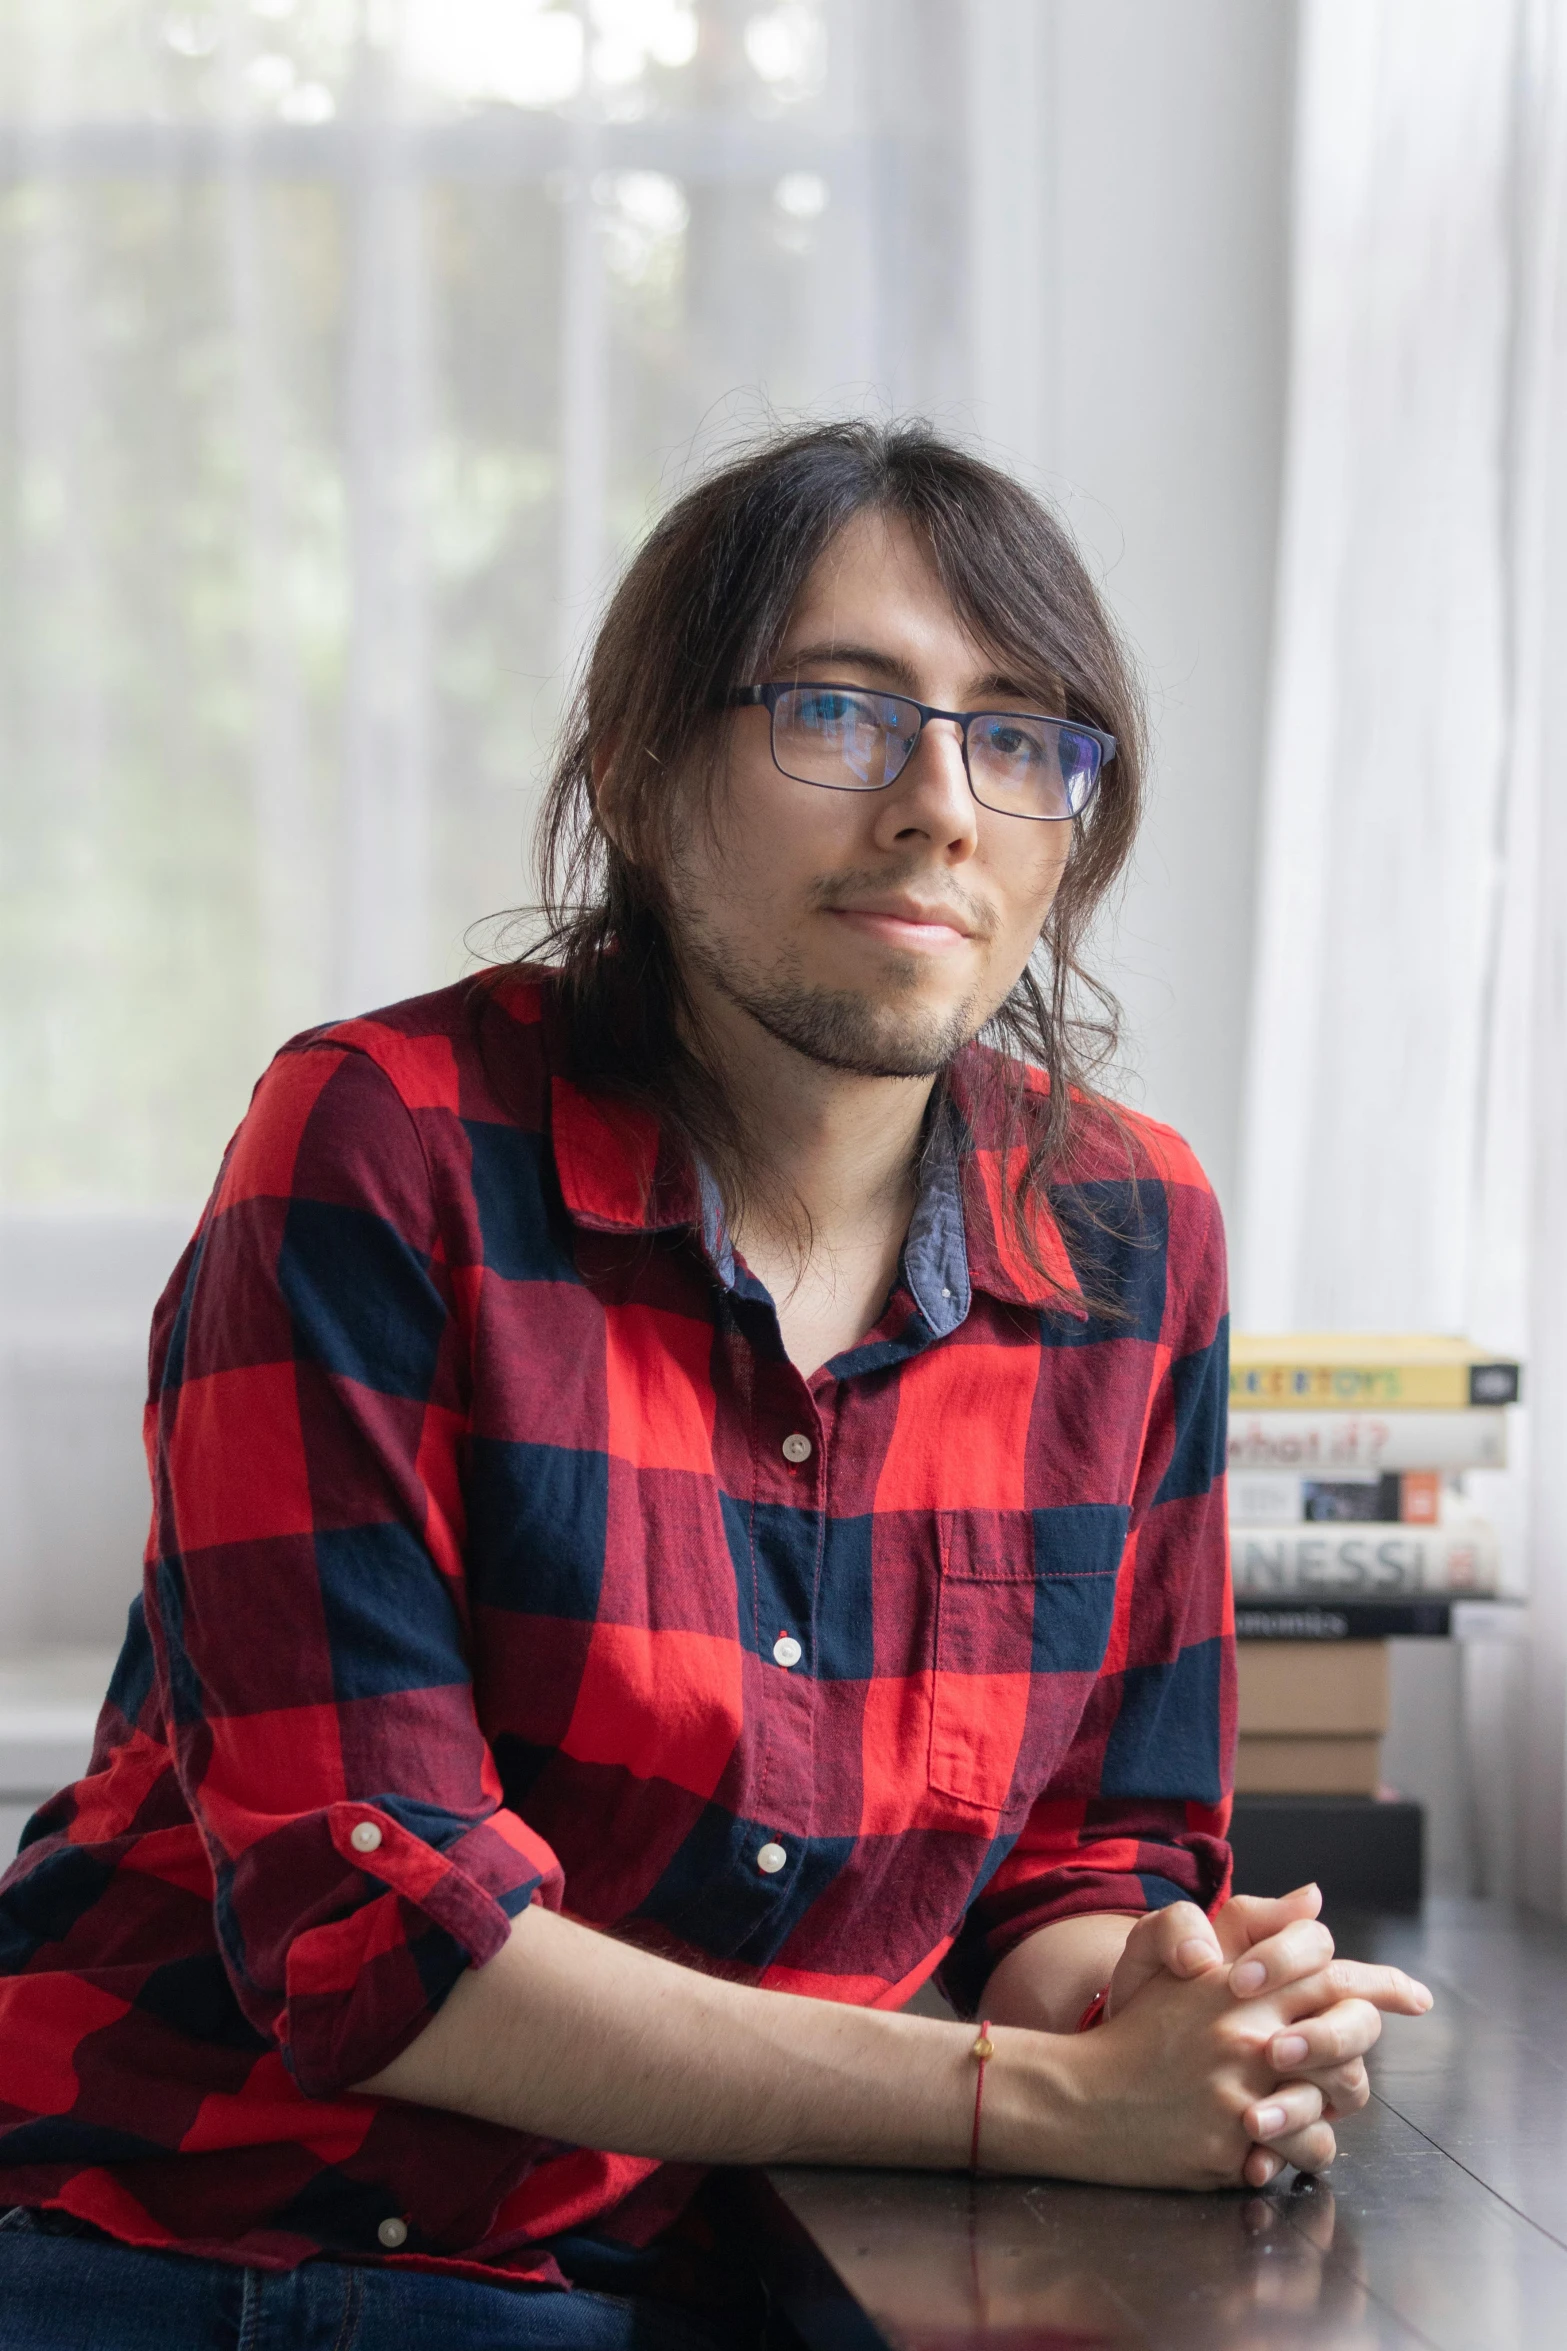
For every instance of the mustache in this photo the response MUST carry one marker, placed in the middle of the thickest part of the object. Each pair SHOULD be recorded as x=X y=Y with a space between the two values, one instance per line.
x=842 y=889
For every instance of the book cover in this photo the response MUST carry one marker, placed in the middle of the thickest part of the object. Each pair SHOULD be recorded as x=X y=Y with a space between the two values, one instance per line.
x=1324 y=1444
x=1273 y=1498
x=1306 y=1370
x=1369 y=1563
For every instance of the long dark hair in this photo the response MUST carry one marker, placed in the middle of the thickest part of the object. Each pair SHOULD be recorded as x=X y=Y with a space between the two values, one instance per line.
x=701 y=608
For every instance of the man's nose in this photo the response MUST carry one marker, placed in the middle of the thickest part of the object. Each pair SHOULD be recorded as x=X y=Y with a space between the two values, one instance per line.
x=932 y=795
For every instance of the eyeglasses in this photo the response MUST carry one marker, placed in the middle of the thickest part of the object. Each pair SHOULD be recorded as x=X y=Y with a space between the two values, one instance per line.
x=849 y=739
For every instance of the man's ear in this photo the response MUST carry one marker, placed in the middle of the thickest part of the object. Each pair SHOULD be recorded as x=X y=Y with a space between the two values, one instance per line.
x=601 y=772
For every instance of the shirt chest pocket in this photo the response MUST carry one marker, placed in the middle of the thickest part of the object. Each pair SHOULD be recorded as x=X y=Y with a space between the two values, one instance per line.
x=1024 y=1606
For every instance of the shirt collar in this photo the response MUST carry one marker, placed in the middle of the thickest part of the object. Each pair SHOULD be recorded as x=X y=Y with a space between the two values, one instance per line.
x=618 y=1174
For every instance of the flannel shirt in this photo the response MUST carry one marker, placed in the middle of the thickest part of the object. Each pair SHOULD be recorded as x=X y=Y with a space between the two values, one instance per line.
x=499 y=1555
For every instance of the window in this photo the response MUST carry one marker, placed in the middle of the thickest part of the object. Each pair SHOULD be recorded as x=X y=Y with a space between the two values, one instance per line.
x=346 y=344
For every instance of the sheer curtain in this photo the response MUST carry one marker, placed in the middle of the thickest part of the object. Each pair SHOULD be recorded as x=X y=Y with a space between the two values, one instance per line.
x=344 y=344
x=1405 y=1144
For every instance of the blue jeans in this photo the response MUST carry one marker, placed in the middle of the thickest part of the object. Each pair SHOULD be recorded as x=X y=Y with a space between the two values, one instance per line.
x=81 y=2292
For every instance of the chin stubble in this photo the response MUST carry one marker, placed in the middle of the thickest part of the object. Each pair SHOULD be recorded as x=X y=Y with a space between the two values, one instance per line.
x=837 y=1028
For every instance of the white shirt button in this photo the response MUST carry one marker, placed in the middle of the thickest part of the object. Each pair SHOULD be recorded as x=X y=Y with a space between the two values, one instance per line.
x=771 y=1859
x=797 y=1448
x=787 y=1650
x=392 y=2233
x=365 y=1837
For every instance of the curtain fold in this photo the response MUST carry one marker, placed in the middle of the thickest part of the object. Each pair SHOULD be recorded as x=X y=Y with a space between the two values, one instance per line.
x=1405 y=1147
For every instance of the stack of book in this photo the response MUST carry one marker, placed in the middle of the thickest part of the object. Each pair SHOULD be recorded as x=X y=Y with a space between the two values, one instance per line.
x=1348 y=1523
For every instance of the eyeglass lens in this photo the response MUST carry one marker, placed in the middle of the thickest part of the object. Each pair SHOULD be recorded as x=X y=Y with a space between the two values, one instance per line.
x=1020 y=765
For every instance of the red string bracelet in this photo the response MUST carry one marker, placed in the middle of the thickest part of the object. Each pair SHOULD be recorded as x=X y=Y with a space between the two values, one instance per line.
x=1094 y=2013
x=983 y=2051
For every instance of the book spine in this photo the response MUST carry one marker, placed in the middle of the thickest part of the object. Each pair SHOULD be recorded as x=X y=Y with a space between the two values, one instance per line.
x=1370 y=1387
x=1327 y=1444
x=1370 y=1563
x=1355 y=1620
x=1275 y=1498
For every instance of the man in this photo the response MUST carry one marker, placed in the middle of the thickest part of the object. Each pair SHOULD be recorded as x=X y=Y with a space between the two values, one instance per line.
x=687 y=1496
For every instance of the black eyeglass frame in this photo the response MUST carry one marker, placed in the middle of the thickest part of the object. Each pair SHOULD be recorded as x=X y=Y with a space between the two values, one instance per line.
x=768 y=698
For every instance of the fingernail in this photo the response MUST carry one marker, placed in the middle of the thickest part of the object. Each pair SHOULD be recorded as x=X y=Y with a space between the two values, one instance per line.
x=1270 y=2121
x=1427 y=1998
x=1290 y=2049
x=1248 y=1975
x=1195 y=1953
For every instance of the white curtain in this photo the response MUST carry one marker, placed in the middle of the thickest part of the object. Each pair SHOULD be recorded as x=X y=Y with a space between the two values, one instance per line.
x=345 y=344
x=1405 y=1145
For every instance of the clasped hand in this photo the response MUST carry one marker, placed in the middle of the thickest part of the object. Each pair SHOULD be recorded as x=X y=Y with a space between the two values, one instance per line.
x=1294 y=2021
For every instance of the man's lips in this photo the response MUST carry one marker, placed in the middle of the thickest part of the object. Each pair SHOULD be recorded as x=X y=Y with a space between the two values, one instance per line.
x=935 y=930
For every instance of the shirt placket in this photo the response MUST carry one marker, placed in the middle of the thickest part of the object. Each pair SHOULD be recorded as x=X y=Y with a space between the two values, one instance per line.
x=789 y=1441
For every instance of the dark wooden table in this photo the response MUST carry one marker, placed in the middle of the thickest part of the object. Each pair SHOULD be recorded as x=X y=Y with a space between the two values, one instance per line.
x=1443 y=2222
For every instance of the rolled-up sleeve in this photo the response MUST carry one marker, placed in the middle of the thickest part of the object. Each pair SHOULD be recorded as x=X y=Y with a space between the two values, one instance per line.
x=1135 y=1814
x=305 y=1436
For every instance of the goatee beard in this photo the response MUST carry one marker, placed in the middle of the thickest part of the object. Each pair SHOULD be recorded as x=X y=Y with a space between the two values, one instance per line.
x=838 y=1029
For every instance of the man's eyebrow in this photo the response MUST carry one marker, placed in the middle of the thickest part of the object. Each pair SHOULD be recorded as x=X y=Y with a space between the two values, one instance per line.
x=898 y=674
x=882 y=664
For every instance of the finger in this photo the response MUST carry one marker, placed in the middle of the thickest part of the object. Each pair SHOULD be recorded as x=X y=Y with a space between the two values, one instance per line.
x=1250 y=1918
x=1312 y=2149
x=1261 y=2166
x=1345 y=2089
x=1333 y=2036
x=1284 y=2113
x=1184 y=1938
x=1176 y=1941
x=1303 y=1948
x=1385 y=1988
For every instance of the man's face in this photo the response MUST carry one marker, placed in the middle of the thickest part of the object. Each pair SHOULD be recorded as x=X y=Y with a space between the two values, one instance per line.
x=872 y=931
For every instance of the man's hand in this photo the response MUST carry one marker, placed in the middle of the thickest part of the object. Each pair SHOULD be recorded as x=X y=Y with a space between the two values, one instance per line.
x=1272 y=1947
x=1176 y=2089
x=1183 y=1941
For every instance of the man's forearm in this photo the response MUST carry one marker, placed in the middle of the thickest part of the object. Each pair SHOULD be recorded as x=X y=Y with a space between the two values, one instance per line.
x=571 y=2035
x=1048 y=1981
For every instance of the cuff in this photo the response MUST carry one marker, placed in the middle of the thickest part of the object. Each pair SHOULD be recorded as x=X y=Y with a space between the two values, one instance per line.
x=360 y=1987
x=1195 y=1872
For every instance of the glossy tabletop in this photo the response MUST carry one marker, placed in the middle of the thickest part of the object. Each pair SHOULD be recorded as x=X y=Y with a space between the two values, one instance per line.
x=1443 y=2222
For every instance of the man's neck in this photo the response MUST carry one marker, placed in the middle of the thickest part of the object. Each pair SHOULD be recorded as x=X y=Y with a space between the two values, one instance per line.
x=825 y=1149
x=829 y=1161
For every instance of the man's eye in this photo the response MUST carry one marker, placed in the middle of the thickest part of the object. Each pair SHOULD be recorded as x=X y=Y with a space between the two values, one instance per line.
x=831 y=710
x=1017 y=744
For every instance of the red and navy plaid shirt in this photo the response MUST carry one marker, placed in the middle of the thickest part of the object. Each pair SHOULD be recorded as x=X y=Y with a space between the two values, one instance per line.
x=500 y=1554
